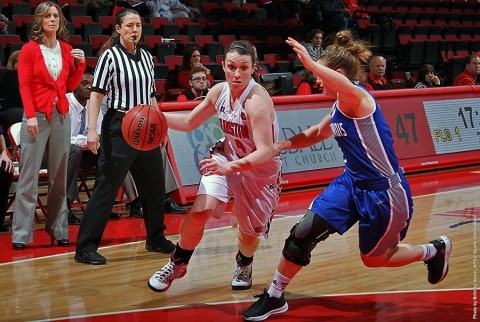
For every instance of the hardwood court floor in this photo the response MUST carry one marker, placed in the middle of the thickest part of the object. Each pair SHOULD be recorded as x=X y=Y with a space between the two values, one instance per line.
x=44 y=283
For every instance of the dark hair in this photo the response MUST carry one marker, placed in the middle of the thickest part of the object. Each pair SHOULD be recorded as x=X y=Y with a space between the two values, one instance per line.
x=313 y=32
x=197 y=69
x=423 y=71
x=468 y=59
x=115 y=37
x=242 y=47
x=348 y=54
x=187 y=55
x=37 y=33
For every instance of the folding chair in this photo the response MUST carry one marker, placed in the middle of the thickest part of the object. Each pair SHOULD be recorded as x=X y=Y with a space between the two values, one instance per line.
x=14 y=136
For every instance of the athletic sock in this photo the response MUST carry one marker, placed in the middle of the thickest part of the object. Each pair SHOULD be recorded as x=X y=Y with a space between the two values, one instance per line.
x=279 y=284
x=429 y=251
x=182 y=256
x=243 y=260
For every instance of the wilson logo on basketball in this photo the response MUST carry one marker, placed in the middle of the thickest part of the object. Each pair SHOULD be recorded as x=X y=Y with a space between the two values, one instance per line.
x=137 y=131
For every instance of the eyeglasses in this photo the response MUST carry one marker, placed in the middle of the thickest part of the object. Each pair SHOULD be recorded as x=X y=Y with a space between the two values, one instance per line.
x=199 y=79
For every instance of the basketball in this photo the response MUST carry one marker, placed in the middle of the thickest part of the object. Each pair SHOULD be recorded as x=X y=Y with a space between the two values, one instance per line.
x=144 y=127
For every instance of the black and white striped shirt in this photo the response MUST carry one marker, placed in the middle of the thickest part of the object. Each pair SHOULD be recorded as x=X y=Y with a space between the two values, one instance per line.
x=126 y=79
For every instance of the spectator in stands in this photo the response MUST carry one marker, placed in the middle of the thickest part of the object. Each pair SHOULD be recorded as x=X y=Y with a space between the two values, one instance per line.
x=3 y=25
x=310 y=84
x=198 y=85
x=191 y=58
x=169 y=9
x=314 y=47
x=137 y=5
x=194 y=6
x=11 y=110
x=335 y=15
x=470 y=76
x=427 y=77
x=94 y=7
x=307 y=12
x=376 y=76
x=6 y=175
x=274 y=9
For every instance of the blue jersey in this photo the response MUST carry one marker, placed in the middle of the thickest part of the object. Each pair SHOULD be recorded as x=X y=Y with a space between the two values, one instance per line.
x=371 y=190
x=367 y=145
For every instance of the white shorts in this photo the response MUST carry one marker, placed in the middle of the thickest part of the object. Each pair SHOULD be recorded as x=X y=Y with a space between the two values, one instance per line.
x=255 y=200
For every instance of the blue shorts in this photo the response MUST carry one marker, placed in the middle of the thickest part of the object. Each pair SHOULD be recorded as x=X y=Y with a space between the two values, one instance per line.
x=383 y=215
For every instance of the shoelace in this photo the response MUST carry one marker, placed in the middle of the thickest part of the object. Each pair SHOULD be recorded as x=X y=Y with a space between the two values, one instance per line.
x=164 y=273
x=242 y=273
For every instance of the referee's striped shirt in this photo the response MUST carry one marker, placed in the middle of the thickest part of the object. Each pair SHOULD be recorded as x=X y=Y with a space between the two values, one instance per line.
x=126 y=79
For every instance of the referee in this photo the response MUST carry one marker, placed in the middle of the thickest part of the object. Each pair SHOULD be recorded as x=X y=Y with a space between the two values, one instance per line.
x=125 y=74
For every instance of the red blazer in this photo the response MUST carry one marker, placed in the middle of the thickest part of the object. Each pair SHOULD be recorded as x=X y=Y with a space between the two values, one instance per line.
x=37 y=87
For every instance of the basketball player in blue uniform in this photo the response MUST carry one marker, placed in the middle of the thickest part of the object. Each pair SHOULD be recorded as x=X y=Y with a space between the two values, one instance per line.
x=372 y=190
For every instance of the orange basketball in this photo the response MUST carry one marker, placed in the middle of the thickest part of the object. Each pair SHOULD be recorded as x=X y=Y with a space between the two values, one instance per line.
x=144 y=127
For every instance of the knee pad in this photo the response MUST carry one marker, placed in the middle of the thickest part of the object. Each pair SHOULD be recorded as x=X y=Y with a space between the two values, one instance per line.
x=304 y=236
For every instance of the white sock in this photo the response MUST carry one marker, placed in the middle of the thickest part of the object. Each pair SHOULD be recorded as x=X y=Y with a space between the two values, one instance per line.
x=429 y=251
x=278 y=285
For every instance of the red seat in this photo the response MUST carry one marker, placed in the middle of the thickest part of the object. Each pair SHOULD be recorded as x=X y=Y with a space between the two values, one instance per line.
x=173 y=61
x=6 y=40
x=181 y=22
x=226 y=39
x=97 y=41
x=75 y=39
x=21 y=20
x=78 y=21
x=203 y=40
x=107 y=22
x=91 y=62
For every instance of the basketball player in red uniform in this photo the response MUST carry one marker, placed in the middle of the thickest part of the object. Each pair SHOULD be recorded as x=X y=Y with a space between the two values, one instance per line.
x=241 y=167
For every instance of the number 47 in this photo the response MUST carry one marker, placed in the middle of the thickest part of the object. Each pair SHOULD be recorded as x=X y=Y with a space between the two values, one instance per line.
x=402 y=132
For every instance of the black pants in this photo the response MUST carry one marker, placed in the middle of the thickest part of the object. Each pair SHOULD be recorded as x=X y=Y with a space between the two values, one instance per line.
x=116 y=159
x=5 y=183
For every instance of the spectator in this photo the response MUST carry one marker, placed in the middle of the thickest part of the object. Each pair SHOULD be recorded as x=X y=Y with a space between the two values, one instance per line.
x=376 y=76
x=335 y=15
x=307 y=12
x=470 y=75
x=314 y=47
x=3 y=25
x=11 y=110
x=427 y=77
x=94 y=7
x=6 y=175
x=191 y=58
x=198 y=85
x=169 y=9
x=194 y=7
x=79 y=155
x=137 y=5
x=310 y=84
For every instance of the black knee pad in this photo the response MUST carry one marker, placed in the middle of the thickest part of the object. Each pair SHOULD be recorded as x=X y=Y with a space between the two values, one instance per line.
x=304 y=236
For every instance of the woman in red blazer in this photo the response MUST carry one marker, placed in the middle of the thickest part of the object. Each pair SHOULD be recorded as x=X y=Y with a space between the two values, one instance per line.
x=47 y=67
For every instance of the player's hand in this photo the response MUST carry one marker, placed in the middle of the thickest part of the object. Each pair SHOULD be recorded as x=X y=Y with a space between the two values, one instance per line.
x=211 y=166
x=301 y=51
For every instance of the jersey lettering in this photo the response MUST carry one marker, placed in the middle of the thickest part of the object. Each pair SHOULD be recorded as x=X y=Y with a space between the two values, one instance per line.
x=234 y=129
x=338 y=130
